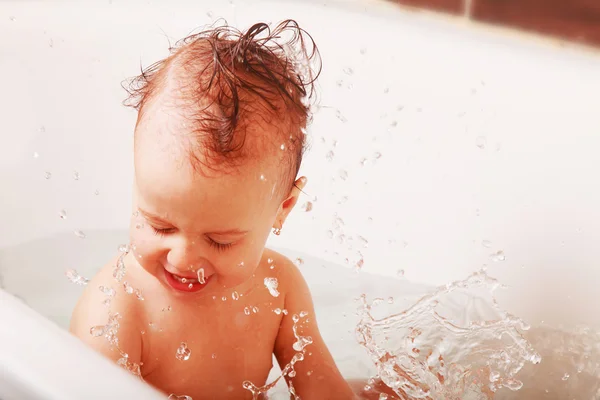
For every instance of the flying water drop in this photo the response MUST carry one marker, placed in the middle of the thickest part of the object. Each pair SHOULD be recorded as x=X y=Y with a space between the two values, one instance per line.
x=76 y=175
x=498 y=256
x=329 y=156
x=343 y=174
x=48 y=175
x=182 y=397
x=480 y=142
x=246 y=310
x=79 y=234
x=62 y=214
x=74 y=277
x=271 y=284
x=183 y=352
x=308 y=206
x=200 y=274
x=235 y=295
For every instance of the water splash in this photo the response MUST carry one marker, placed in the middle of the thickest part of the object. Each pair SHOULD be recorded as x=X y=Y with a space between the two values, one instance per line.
x=74 y=277
x=420 y=353
x=271 y=284
x=288 y=370
x=108 y=291
x=183 y=352
x=119 y=269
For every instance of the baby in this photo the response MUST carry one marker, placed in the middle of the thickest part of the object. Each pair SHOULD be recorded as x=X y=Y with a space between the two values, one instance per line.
x=197 y=305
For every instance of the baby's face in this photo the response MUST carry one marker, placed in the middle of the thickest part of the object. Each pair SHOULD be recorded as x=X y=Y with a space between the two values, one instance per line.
x=183 y=221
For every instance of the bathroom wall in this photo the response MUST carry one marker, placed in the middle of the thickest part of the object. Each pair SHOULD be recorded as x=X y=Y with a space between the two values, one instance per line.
x=453 y=146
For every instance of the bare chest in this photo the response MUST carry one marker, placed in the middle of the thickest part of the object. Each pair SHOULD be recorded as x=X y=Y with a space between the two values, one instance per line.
x=208 y=352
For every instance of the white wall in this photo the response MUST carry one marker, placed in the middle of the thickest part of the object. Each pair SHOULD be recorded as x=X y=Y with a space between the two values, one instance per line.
x=434 y=195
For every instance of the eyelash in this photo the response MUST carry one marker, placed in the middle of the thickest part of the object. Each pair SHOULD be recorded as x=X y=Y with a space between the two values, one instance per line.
x=212 y=243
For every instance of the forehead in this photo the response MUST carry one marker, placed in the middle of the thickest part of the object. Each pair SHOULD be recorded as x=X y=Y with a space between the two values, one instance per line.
x=169 y=185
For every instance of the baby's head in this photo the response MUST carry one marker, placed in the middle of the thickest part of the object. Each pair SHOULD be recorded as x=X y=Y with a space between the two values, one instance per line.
x=218 y=145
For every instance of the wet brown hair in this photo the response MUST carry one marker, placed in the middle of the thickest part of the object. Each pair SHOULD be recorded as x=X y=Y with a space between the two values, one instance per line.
x=233 y=84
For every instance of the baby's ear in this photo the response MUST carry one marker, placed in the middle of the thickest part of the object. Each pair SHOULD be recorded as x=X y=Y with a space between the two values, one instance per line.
x=288 y=204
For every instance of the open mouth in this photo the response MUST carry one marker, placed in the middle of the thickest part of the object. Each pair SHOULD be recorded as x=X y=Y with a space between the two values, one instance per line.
x=184 y=284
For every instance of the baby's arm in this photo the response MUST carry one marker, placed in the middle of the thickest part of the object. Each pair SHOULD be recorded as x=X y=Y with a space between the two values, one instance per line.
x=116 y=337
x=317 y=376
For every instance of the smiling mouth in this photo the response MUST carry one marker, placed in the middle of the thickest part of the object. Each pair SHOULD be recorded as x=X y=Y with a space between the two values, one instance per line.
x=184 y=284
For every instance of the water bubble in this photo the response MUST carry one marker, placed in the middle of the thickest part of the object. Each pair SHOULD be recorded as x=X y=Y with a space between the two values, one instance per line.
x=277 y=311
x=224 y=298
x=486 y=243
x=255 y=309
x=348 y=71
x=270 y=260
x=98 y=330
x=480 y=142
x=329 y=156
x=340 y=116
x=271 y=284
x=74 y=277
x=263 y=178
x=200 y=274
x=343 y=174
x=48 y=175
x=299 y=261
x=79 y=234
x=183 y=352
x=308 y=206
x=76 y=175
x=246 y=310
x=303 y=314
x=498 y=256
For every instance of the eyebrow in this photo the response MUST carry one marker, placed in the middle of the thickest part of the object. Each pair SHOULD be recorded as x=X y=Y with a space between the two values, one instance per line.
x=224 y=232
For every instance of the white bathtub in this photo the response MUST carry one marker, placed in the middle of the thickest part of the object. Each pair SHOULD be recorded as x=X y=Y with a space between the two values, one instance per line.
x=486 y=137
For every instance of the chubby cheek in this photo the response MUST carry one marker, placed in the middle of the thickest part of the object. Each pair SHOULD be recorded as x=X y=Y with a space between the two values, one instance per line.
x=238 y=264
x=146 y=246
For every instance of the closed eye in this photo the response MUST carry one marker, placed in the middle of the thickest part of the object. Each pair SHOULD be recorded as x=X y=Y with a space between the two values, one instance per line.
x=162 y=231
x=219 y=246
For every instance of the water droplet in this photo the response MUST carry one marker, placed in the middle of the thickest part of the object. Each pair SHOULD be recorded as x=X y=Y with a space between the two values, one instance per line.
x=364 y=242
x=383 y=396
x=271 y=284
x=79 y=234
x=282 y=147
x=123 y=248
x=255 y=309
x=330 y=234
x=51 y=42
x=292 y=373
x=359 y=264
x=175 y=397
x=343 y=174
x=12 y=18
x=329 y=156
x=36 y=154
x=108 y=291
x=235 y=295
x=224 y=298
x=565 y=376
x=299 y=261
x=246 y=311
x=183 y=352
x=62 y=214
x=390 y=300
x=341 y=238
x=209 y=14
x=480 y=142
x=363 y=161
x=400 y=273
x=200 y=274
x=340 y=116
x=241 y=265
x=277 y=311
x=308 y=206
x=76 y=175
x=98 y=330
x=498 y=256
x=127 y=287
x=96 y=192
x=48 y=175
x=377 y=155
x=486 y=243
x=303 y=314
x=106 y=303
x=348 y=71
x=75 y=278
x=263 y=178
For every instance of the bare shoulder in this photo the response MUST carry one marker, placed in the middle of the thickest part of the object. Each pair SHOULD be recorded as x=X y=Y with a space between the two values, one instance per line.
x=105 y=308
x=289 y=276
